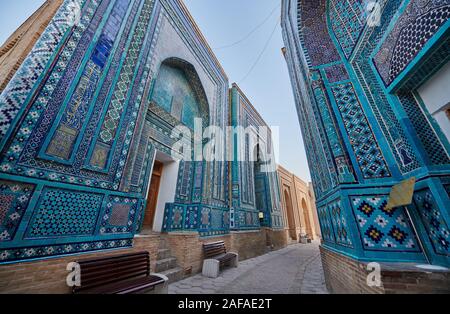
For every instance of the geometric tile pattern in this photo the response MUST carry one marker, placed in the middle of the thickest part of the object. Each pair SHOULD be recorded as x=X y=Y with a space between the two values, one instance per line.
x=76 y=111
x=378 y=127
x=14 y=199
x=119 y=215
x=27 y=142
x=65 y=213
x=437 y=229
x=83 y=93
x=380 y=104
x=382 y=229
x=18 y=254
x=427 y=135
x=12 y=99
x=343 y=166
x=317 y=42
x=29 y=137
x=173 y=217
x=341 y=229
x=325 y=225
x=365 y=146
x=336 y=73
x=347 y=21
x=117 y=106
x=414 y=28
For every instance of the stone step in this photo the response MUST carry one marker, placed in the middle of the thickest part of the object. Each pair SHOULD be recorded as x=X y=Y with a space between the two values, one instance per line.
x=165 y=264
x=174 y=274
x=163 y=254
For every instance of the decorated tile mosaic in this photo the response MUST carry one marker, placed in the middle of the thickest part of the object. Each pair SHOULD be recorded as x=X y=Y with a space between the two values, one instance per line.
x=370 y=158
x=32 y=68
x=84 y=112
x=336 y=73
x=325 y=224
x=385 y=134
x=347 y=21
x=64 y=213
x=427 y=136
x=413 y=29
x=343 y=167
x=25 y=253
x=119 y=215
x=380 y=104
x=14 y=199
x=434 y=221
x=383 y=229
x=340 y=226
x=316 y=39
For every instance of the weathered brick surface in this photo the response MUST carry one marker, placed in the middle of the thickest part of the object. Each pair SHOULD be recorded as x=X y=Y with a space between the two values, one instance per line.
x=49 y=276
x=345 y=275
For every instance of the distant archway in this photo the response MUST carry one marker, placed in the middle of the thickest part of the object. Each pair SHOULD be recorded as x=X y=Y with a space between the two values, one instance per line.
x=308 y=228
x=290 y=214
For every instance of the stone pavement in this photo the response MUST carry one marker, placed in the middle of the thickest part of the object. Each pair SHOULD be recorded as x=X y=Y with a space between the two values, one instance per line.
x=296 y=269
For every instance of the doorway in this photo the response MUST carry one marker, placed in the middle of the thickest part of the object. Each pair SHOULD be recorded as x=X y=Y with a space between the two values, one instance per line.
x=152 y=199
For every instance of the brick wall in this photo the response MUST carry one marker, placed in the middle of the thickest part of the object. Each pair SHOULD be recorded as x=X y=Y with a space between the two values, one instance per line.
x=188 y=249
x=248 y=244
x=49 y=276
x=345 y=275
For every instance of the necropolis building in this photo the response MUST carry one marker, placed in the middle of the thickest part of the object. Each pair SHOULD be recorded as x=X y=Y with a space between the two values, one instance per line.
x=91 y=94
x=371 y=80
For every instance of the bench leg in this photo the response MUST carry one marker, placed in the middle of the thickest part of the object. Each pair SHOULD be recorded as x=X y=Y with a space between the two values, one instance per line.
x=211 y=268
x=161 y=288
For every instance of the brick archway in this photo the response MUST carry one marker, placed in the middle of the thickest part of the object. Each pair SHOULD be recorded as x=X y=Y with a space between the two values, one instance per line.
x=290 y=214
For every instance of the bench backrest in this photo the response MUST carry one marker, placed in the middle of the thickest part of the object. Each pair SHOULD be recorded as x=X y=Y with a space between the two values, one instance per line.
x=107 y=270
x=214 y=249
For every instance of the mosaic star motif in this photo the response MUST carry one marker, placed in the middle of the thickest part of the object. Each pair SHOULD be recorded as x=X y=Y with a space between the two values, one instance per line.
x=383 y=230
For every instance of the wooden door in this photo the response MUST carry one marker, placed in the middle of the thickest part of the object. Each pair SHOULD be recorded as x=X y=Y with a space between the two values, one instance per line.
x=153 y=195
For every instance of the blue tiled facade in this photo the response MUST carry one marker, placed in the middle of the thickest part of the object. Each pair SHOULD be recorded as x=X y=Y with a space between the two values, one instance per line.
x=84 y=117
x=253 y=191
x=365 y=127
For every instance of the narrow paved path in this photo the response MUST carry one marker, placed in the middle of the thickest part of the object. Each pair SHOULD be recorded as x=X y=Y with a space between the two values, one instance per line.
x=296 y=269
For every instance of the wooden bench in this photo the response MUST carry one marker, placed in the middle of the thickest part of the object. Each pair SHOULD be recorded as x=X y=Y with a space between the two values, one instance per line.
x=120 y=274
x=216 y=257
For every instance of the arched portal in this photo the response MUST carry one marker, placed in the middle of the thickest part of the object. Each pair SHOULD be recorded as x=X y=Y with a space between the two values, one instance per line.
x=179 y=91
x=308 y=228
x=290 y=214
x=177 y=98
